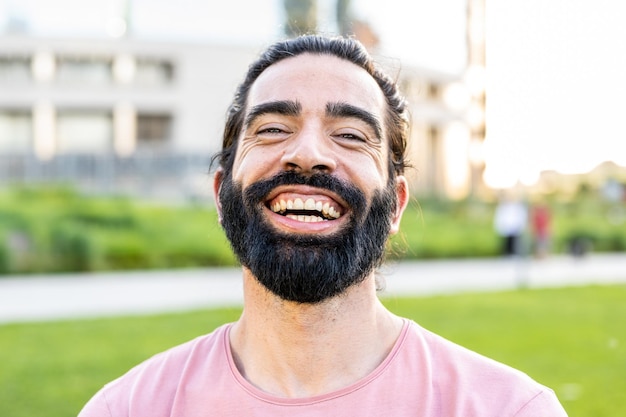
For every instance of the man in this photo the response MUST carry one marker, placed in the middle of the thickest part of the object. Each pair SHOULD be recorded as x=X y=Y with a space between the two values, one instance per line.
x=510 y=221
x=310 y=185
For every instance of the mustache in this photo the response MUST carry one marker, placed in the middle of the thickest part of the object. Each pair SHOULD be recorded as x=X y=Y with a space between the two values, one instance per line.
x=352 y=195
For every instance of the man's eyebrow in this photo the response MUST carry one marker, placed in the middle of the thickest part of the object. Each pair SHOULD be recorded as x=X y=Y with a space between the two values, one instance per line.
x=338 y=110
x=283 y=107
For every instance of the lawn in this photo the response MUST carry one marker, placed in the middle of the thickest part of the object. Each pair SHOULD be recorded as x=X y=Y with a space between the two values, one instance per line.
x=571 y=339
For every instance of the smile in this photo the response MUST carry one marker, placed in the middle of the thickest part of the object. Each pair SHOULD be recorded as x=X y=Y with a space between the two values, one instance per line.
x=306 y=209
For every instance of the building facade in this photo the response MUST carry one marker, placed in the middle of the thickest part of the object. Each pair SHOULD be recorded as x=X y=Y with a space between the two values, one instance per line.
x=111 y=100
x=141 y=117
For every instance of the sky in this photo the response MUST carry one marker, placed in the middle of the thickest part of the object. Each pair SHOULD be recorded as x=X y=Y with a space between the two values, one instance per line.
x=556 y=87
x=256 y=21
x=555 y=68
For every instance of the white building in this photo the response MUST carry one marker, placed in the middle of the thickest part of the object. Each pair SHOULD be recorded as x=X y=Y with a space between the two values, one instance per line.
x=118 y=96
x=112 y=98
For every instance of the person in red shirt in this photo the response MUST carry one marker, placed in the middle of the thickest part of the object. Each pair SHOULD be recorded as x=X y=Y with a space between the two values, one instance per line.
x=541 y=223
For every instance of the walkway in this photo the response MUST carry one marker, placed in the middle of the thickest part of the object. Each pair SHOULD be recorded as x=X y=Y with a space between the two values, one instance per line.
x=53 y=297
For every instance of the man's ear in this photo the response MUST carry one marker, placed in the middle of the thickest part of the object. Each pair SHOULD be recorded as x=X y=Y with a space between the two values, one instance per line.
x=402 y=194
x=218 y=178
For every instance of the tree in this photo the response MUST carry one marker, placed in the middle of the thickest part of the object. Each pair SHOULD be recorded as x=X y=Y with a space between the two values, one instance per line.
x=301 y=16
x=344 y=18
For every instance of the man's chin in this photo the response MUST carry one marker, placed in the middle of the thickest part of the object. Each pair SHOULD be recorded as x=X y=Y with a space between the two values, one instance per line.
x=303 y=268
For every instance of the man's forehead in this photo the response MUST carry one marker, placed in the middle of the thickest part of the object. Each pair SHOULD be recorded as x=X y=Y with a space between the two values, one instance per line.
x=317 y=79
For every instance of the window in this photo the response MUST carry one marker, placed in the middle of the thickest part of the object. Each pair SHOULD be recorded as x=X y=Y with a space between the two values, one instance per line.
x=85 y=69
x=434 y=90
x=16 y=131
x=152 y=71
x=153 y=130
x=14 y=68
x=84 y=131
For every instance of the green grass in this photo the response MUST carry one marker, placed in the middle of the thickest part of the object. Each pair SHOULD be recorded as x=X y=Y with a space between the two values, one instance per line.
x=571 y=339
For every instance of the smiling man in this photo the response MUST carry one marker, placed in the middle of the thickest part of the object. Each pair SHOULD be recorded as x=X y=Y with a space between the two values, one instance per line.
x=309 y=188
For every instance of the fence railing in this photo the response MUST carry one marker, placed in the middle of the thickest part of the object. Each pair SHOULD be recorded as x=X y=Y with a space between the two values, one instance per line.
x=180 y=175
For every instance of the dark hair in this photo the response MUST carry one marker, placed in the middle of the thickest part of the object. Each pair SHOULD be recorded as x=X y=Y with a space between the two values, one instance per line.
x=341 y=47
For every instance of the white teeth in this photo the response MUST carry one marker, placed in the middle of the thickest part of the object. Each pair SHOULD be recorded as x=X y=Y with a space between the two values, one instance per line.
x=305 y=219
x=310 y=205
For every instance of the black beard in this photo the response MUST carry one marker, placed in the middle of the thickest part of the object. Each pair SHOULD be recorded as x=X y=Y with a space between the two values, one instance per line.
x=307 y=268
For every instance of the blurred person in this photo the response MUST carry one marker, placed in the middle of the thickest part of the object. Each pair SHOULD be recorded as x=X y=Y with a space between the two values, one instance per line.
x=510 y=222
x=541 y=229
x=309 y=187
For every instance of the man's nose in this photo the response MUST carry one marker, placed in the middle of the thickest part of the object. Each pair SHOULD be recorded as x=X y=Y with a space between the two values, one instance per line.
x=308 y=152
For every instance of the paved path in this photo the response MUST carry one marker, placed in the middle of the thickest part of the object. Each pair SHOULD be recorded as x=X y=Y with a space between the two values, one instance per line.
x=53 y=297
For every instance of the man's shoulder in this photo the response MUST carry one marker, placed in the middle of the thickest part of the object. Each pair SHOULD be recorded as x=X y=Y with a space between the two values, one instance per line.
x=463 y=376
x=174 y=364
x=443 y=352
x=153 y=384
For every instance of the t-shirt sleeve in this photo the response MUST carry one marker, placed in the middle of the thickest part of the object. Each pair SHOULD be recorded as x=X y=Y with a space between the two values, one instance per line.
x=96 y=407
x=544 y=404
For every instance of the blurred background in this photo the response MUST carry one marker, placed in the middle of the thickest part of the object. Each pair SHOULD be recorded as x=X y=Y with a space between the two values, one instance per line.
x=518 y=102
x=110 y=111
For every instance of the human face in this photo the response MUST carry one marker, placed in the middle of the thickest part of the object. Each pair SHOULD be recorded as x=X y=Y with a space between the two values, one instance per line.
x=310 y=114
x=308 y=206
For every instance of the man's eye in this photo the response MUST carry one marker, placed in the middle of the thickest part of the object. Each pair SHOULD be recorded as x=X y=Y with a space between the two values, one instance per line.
x=351 y=136
x=273 y=129
x=270 y=130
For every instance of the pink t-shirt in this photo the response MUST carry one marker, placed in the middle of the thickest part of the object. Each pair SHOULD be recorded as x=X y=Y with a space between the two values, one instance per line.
x=425 y=375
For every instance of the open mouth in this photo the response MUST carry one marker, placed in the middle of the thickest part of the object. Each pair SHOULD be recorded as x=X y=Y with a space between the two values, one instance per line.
x=307 y=209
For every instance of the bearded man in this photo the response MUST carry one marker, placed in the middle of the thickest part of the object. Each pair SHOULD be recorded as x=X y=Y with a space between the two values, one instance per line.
x=309 y=188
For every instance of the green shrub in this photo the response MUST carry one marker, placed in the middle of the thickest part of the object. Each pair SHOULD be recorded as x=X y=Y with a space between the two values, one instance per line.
x=616 y=242
x=439 y=229
x=64 y=230
x=124 y=250
x=5 y=261
x=73 y=248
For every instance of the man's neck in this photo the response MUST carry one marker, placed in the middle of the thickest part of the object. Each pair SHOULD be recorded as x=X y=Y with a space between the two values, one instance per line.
x=300 y=350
